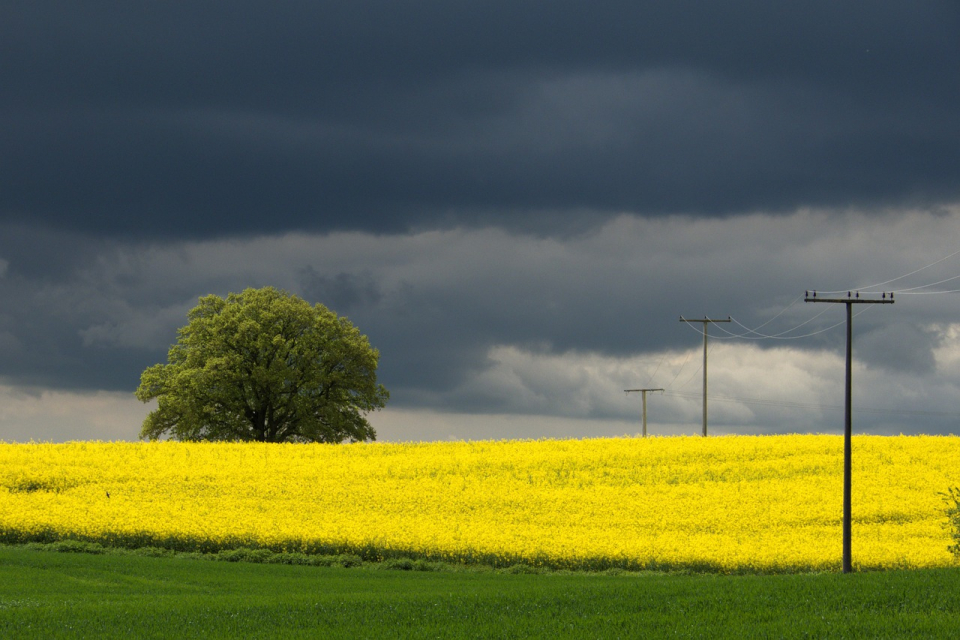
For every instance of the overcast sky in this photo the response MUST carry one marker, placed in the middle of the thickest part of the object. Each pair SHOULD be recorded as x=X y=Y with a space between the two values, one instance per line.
x=516 y=202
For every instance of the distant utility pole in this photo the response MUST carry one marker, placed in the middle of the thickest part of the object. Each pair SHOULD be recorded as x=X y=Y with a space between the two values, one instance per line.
x=850 y=300
x=705 y=322
x=643 y=404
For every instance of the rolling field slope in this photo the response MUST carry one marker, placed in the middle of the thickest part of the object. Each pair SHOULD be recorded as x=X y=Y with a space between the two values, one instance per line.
x=728 y=504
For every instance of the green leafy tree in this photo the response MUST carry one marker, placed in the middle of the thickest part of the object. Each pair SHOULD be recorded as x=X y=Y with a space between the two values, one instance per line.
x=263 y=365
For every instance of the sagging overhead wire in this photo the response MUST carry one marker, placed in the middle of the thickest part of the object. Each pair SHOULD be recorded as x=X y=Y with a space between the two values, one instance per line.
x=914 y=290
x=906 y=275
x=780 y=336
x=909 y=290
x=662 y=358
x=755 y=334
x=682 y=365
x=928 y=293
x=732 y=336
x=805 y=405
x=691 y=377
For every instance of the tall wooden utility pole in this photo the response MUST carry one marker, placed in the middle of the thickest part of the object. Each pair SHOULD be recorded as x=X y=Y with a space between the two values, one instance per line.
x=850 y=300
x=705 y=322
x=643 y=404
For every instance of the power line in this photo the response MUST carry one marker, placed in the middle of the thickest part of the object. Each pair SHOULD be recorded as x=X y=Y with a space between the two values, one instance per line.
x=924 y=286
x=682 y=364
x=700 y=366
x=755 y=334
x=782 y=311
x=730 y=335
x=658 y=367
x=762 y=336
x=906 y=275
x=764 y=402
x=779 y=336
x=776 y=336
x=928 y=293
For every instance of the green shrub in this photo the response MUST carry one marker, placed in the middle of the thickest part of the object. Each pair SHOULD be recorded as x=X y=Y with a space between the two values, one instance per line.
x=153 y=552
x=76 y=546
x=243 y=554
x=410 y=564
x=403 y=564
x=952 y=496
x=521 y=568
x=347 y=560
x=295 y=558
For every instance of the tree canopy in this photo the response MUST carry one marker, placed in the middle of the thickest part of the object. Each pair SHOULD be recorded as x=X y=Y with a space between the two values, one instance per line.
x=263 y=365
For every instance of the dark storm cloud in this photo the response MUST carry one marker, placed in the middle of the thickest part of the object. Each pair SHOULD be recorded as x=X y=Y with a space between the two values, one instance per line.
x=343 y=292
x=900 y=347
x=203 y=119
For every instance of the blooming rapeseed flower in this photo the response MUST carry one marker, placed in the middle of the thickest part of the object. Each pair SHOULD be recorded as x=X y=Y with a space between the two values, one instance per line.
x=735 y=503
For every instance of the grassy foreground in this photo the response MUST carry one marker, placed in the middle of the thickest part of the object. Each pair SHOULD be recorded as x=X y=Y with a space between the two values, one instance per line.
x=60 y=595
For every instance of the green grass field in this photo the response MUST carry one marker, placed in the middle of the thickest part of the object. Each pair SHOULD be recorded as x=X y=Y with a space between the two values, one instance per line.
x=44 y=594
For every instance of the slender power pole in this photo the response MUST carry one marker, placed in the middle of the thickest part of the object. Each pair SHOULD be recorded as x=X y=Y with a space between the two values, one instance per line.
x=643 y=404
x=850 y=300
x=705 y=321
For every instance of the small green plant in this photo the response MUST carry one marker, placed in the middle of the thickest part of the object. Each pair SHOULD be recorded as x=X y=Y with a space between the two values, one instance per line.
x=520 y=568
x=952 y=497
x=49 y=484
x=410 y=564
x=76 y=546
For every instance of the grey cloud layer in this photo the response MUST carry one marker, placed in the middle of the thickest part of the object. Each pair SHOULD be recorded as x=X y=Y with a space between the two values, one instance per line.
x=489 y=321
x=199 y=120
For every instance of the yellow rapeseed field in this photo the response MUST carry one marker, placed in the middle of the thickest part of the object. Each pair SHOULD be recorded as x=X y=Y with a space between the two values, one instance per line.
x=736 y=503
